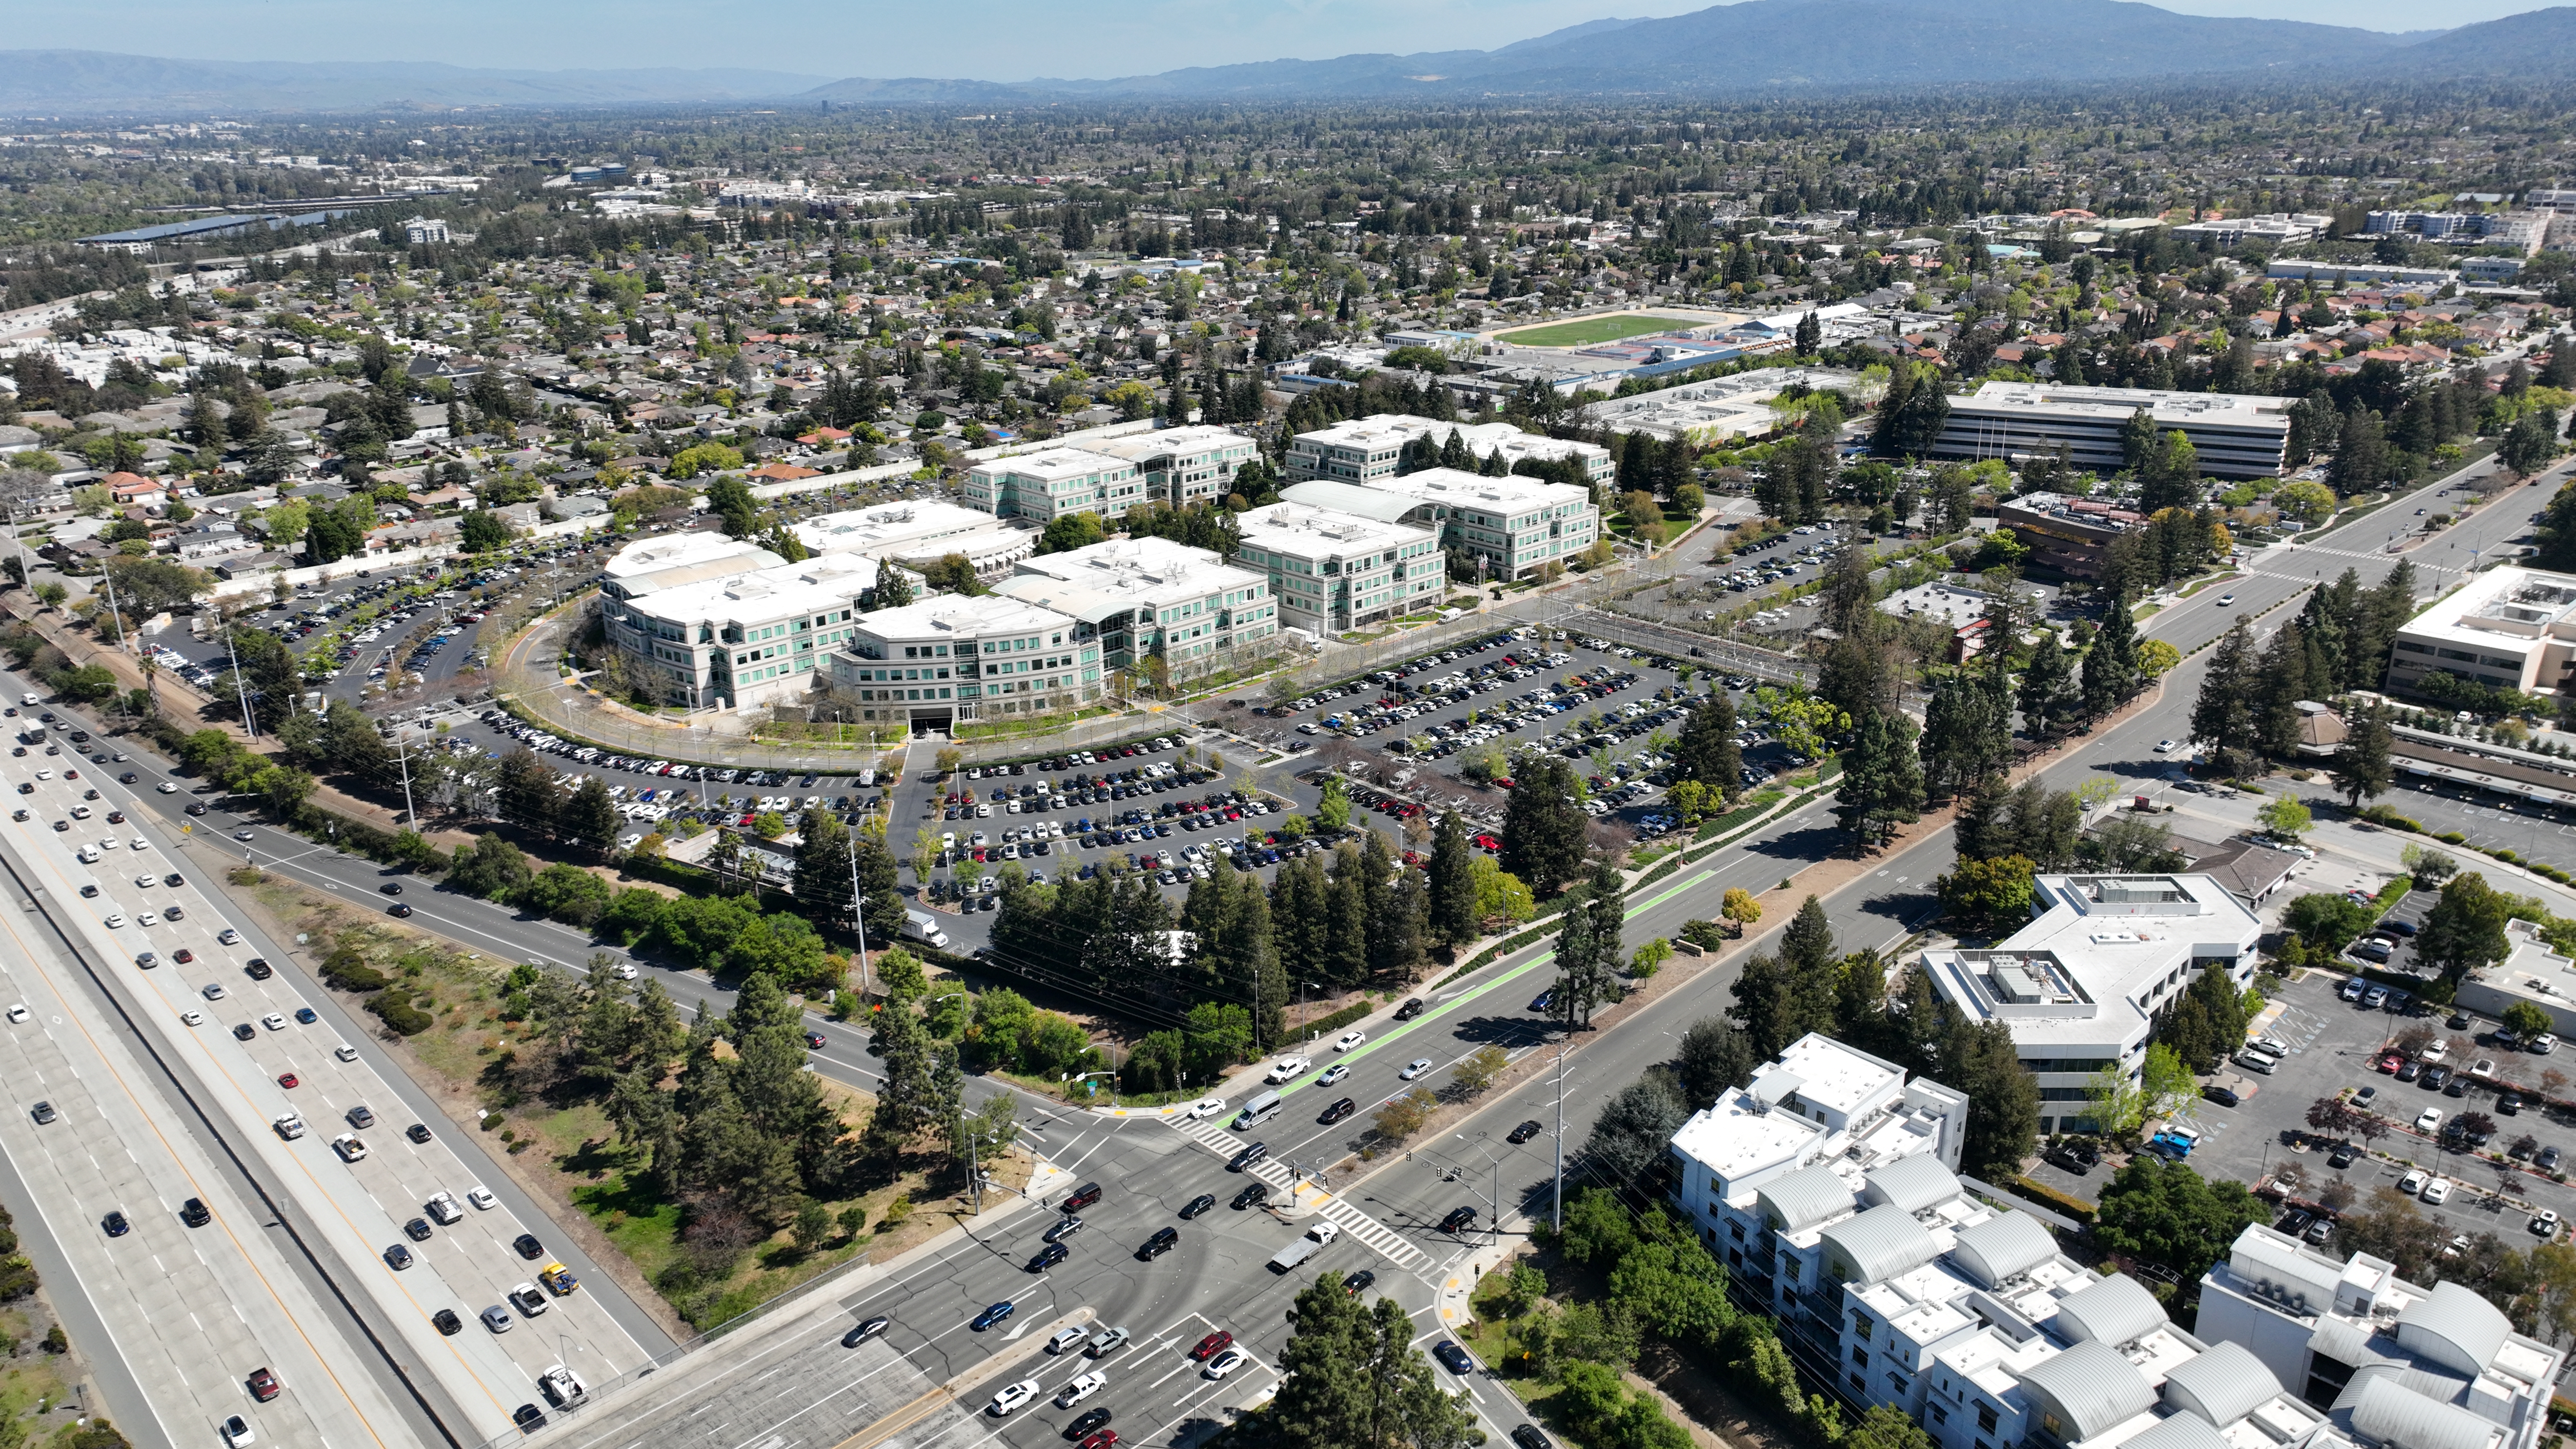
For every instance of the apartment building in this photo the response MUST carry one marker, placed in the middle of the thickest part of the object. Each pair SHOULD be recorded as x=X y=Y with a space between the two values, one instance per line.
x=2237 y=435
x=1054 y=483
x=1185 y=465
x=1827 y=1184
x=951 y=658
x=741 y=639
x=1332 y=571
x=2391 y=1364
x=1514 y=526
x=1371 y=449
x=2508 y=628
x=2080 y=986
x=1148 y=598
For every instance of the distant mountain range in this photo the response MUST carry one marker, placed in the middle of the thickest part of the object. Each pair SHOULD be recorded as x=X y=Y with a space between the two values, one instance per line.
x=1755 y=48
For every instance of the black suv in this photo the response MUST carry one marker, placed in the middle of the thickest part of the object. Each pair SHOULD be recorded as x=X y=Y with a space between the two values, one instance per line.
x=1411 y=1008
x=1458 y=1220
x=1157 y=1245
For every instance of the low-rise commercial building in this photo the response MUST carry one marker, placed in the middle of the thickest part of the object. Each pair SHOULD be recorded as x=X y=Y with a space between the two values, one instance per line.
x=1151 y=598
x=1371 y=449
x=2067 y=534
x=2237 y=435
x=1513 y=526
x=930 y=665
x=920 y=532
x=2506 y=628
x=2392 y=1364
x=1334 y=571
x=1054 y=483
x=2081 y=986
x=1185 y=465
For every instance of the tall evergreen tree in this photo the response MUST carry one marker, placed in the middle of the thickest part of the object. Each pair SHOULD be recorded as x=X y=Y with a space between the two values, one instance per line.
x=2048 y=696
x=1882 y=783
x=2284 y=685
x=1452 y=882
x=1967 y=732
x=2223 y=717
x=2361 y=763
x=2111 y=673
x=1706 y=751
x=1544 y=827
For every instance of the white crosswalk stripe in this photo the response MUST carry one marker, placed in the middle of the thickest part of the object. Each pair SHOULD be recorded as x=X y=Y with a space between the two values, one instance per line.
x=1383 y=1239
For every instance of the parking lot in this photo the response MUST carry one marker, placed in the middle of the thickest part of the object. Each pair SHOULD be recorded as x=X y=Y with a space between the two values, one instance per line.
x=2330 y=1047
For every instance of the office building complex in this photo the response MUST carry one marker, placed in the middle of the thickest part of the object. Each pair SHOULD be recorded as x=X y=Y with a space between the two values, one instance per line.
x=952 y=658
x=2237 y=435
x=734 y=639
x=1513 y=526
x=1053 y=484
x=1335 y=571
x=1371 y=449
x=1148 y=598
x=1185 y=465
x=2081 y=986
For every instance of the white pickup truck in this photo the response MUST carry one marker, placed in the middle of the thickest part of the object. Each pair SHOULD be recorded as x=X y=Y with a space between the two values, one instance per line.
x=1287 y=1258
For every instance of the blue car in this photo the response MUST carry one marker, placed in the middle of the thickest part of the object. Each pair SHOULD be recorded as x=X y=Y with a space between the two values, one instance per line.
x=305 y=1015
x=1545 y=999
x=991 y=1316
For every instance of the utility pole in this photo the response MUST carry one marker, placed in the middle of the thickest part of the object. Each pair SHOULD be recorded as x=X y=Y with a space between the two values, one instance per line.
x=241 y=696
x=404 y=757
x=1560 y=1140
x=858 y=910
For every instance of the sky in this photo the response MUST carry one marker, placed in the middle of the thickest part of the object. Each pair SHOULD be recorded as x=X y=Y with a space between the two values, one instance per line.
x=1006 y=40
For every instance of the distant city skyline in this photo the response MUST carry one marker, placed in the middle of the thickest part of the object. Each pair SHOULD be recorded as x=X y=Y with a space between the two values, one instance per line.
x=997 y=40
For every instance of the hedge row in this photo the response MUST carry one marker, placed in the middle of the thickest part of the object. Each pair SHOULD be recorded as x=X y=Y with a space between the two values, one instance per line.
x=2049 y=1197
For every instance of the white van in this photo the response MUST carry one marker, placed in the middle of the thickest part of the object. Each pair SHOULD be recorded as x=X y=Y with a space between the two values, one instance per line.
x=921 y=927
x=1257 y=1111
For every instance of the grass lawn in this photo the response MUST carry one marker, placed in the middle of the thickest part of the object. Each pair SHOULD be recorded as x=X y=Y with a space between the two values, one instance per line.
x=1587 y=331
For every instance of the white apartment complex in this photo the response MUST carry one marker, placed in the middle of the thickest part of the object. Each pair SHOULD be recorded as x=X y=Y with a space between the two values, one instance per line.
x=1514 y=526
x=1369 y=450
x=1152 y=597
x=2392 y=1364
x=952 y=658
x=2509 y=628
x=1827 y=1186
x=1185 y=465
x=2080 y=987
x=1336 y=571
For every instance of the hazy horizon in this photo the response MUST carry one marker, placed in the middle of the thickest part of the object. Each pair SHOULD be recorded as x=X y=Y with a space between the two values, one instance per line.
x=1020 y=40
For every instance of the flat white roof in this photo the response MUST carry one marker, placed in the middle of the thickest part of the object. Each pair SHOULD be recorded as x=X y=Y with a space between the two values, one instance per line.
x=2506 y=609
x=1196 y=438
x=2099 y=959
x=889 y=529
x=962 y=616
x=1302 y=531
x=1394 y=430
x=1456 y=488
x=1053 y=465
x=2115 y=404
x=670 y=559
x=832 y=581
x=1123 y=574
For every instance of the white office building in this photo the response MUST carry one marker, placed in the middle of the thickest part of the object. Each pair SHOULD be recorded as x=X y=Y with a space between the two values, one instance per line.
x=920 y=532
x=2392 y=1364
x=1054 y=483
x=1185 y=465
x=1337 y=571
x=2507 y=628
x=1369 y=450
x=1151 y=597
x=1513 y=526
x=2237 y=435
x=2080 y=987
x=739 y=639
x=952 y=658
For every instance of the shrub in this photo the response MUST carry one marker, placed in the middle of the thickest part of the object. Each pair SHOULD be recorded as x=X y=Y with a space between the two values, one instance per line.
x=399 y=1011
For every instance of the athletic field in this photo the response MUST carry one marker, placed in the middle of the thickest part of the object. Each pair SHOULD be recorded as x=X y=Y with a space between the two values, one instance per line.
x=1587 y=331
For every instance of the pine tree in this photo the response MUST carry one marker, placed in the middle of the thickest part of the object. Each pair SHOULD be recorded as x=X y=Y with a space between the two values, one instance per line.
x=1982 y=829
x=2223 y=716
x=2111 y=674
x=1707 y=751
x=1452 y=881
x=1882 y=782
x=1808 y=944
x=2047 y=693
x=2284 y=685
x=2361 y=763
x=893 y=587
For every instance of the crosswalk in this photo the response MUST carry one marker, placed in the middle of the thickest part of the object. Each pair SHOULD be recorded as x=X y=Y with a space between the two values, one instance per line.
x=1385 y=1241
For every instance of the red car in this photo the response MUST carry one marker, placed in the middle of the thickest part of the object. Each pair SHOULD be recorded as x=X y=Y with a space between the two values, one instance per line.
x=263 y=1385
x=1211 y=1345
x=1487 y=842
x=2389 y=1061
x=814 y=1039
x=1105 y=1439
x=288 y=1079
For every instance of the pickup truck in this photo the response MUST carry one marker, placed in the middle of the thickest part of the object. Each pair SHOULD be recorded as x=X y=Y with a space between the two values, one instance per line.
x=1287 y=1258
